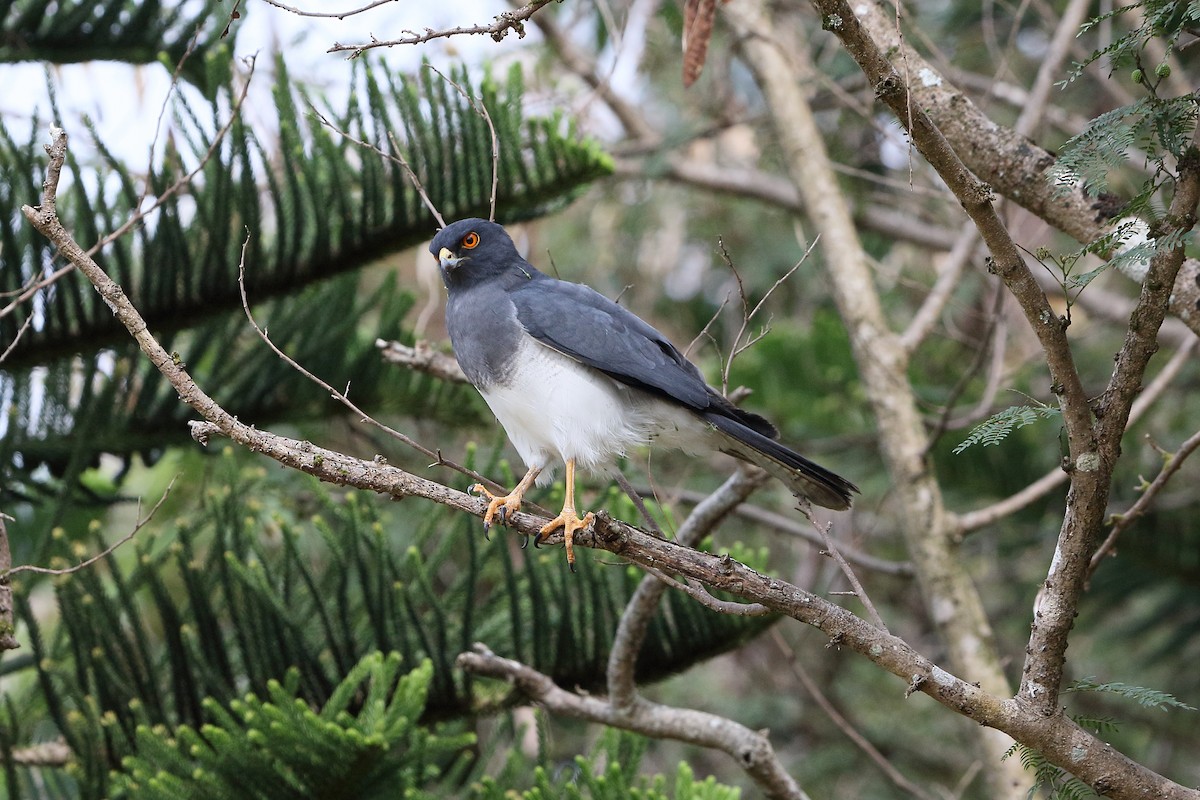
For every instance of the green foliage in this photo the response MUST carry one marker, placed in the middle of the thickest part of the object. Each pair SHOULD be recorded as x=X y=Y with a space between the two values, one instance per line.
x=1147 y=698
x=130 y=31
x=356 y=746
x=1048 y=779
x=1162 y=19
x=1159 y=128
x=997 y=427
x=610 y=772
x=262 y=579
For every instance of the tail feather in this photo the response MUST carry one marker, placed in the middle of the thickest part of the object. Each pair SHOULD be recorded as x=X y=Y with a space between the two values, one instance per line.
x=803 y=477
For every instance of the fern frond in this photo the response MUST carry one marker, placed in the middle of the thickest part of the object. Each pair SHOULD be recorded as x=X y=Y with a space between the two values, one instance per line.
x=1143 y=696
x=997 y=427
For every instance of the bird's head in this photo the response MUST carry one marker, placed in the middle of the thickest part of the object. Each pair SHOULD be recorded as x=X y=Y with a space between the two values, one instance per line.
x=471 y=251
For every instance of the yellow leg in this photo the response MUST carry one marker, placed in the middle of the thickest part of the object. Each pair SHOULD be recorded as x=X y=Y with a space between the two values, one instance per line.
x=568 y=520
x=502 y=507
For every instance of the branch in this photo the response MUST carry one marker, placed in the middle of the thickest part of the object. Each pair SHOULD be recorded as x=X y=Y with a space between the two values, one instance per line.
x=1091 y=480
x=422 y=358
x=141 y=523
x=1173 y=461
x=504 y=22
x=981 y=518
x=1010 y=163
x=635 y=619
x=8 y=625
x=751 y=750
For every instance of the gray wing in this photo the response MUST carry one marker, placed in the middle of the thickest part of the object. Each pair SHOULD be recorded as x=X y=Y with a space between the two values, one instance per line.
x=585 y=325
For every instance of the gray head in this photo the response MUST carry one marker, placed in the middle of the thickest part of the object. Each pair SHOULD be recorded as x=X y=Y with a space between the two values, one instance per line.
x=474 y=250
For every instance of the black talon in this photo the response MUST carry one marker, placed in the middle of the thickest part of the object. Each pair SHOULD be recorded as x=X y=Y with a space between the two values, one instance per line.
x=524 y=540
x=487 y=531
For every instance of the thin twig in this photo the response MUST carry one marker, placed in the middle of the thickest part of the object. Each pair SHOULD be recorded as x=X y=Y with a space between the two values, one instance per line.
x=328 y=14
x=436 y=455
x=504 y=22
x=480 y=109
x=13 y=344
x=1121 y=522
x=843 y=724
x=397 y=156
x=139 y=213
x=141 y=523
x=701 y=595
x=831 y=549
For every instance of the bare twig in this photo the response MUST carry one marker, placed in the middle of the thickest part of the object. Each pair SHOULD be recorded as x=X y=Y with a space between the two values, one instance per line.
x=504 y=22
x=481 y=110
x=341 y=397
x=701 y=595
x=16 y=339
x=397 y=156
x=843 y=724
x=8 y=623
x=141 y=213
x=831 y=549
x=751 y=750
x=329 y=14
x=1120 y=522
x=141 y=523
x=422 y=357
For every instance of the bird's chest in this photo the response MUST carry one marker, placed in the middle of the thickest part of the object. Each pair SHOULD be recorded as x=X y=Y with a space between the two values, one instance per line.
x=485 y=334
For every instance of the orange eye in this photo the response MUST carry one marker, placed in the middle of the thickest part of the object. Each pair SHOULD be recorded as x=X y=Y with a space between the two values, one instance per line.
x=471 y=240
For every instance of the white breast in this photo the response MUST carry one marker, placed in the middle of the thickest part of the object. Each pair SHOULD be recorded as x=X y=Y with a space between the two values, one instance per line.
x=554 y=409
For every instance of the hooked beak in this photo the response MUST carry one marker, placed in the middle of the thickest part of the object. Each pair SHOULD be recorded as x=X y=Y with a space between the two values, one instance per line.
x=447 y=260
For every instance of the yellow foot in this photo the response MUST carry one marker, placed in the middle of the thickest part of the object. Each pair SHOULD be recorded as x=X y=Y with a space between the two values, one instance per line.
x=500 y=508
x=570 y=522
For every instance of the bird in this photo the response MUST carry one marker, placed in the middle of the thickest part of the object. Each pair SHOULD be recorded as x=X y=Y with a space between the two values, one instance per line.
x=575 y=378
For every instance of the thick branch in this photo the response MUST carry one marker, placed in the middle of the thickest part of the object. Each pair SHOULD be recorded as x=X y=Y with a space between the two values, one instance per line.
x=751 y=750
x=1011 y=164
x=952 y=601
x=1087 y=501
